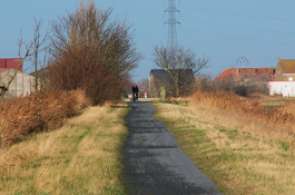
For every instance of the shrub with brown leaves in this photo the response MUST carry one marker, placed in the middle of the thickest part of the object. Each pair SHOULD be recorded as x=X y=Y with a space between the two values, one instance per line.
x=20 y=117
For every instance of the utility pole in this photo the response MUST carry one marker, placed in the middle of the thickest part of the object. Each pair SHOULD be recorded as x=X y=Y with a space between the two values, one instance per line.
x=172 y=43
x=172 y=25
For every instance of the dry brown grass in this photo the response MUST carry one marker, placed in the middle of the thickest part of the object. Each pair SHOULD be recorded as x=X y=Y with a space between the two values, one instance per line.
x=45 y=111
x=239 y=152
x=82 y=157
x=246 y=145
x=246 y=112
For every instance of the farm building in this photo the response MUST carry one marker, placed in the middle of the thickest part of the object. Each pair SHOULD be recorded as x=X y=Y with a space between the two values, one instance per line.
x=244 y=75
x=283 y=88
x=285 y=70
x=284 y=83
x=14 y=83
x=11 y=63
x=162 y=80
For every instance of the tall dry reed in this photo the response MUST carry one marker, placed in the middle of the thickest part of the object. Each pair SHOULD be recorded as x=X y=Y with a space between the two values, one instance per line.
x=245 y=107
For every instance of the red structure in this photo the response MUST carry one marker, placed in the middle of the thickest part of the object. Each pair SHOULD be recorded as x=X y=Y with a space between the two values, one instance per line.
x=239 y=74
x=11 y=63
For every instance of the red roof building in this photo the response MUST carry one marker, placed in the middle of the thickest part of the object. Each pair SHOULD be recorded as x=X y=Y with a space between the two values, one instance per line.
x=241 y=74
x=285 y=70
x=11 y=63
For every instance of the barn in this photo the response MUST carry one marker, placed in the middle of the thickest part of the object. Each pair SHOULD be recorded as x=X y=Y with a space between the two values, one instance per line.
x=162 y=80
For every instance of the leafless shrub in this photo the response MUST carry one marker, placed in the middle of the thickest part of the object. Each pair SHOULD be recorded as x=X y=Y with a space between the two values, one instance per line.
x=92 y=53
x=180 y=59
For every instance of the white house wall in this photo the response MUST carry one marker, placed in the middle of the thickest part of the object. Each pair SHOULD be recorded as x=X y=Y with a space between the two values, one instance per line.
x=22 y=84
x=284 y=88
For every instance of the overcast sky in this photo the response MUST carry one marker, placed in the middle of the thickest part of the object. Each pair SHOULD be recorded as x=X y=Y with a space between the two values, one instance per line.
x=223 y=31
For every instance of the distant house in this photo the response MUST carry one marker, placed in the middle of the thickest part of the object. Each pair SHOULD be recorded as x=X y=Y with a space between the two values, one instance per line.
x=244 y=75
x=14 y=83
x=285 y=70
x=162 y=80
x=284 y=83
x=11 y=63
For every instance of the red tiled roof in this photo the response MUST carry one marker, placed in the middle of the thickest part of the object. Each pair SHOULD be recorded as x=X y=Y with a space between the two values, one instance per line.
x=11 y=63
x=240 y=73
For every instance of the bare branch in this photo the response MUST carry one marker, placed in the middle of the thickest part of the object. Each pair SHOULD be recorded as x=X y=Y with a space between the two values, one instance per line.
x=177 y=61
x=24 y=49
x=37 y=46
x=92 y=53
x=180 y=59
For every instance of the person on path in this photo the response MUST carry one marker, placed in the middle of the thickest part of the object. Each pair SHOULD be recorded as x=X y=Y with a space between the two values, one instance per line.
x=135 y=92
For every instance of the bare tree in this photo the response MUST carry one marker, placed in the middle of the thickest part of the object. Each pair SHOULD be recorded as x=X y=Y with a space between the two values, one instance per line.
x=32 y=50
x=144 y=86
x=176 y=61
x=24 y=49
x=28 y=51
x=38 y=45
x=92 y=53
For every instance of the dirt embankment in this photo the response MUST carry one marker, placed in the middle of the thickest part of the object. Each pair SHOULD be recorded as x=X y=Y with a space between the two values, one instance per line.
x=20 y=117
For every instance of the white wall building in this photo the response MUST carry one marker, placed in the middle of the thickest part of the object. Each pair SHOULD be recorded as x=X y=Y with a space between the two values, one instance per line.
x=18 y=83
x=284 y=88
x=284 y=82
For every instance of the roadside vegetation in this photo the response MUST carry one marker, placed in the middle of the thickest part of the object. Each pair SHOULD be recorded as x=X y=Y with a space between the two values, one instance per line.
x=92 y=53
x=21 y=117
x=243 y=144
x=82 y=157
x=89 y=61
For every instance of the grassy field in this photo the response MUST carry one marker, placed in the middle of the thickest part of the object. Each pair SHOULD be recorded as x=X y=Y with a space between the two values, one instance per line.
x=238 y=159
x=83 y=157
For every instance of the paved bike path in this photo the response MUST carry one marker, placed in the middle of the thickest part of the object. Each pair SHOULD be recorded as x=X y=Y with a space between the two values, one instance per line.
x=154 y=164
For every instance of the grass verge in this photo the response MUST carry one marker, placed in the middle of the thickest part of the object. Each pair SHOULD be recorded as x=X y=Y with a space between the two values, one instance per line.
x=83 y=157
x=239 y=162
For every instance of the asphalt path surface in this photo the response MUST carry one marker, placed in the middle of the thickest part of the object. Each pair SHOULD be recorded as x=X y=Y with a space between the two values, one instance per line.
x=154 y=164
